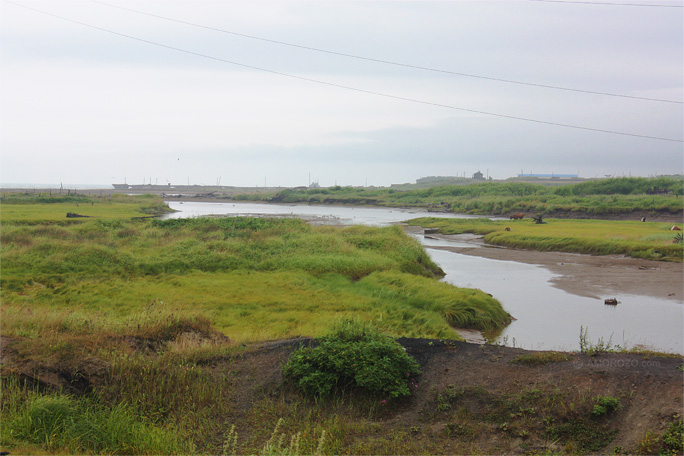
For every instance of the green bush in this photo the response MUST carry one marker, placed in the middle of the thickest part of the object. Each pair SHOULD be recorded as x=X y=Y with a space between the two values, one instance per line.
x=605 y=405
x=353 y=356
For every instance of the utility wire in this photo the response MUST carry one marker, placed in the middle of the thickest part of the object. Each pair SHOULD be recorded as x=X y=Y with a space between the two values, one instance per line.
x=652 y=5
x=387 y=62
x=355 y=89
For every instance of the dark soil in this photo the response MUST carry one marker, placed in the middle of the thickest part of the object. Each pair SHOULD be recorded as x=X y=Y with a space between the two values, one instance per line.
x=470 y=398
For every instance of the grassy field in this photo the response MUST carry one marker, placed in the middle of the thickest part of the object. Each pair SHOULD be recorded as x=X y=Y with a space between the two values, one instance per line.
x=108 y=290
x=648 y=240
x=132 y=335
x=40 y=208
x=256 y=278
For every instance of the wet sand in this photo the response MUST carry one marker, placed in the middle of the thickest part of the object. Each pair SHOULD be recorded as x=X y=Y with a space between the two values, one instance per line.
x=586 y=275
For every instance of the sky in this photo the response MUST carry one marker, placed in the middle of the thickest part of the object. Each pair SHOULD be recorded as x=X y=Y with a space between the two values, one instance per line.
x=289 y=92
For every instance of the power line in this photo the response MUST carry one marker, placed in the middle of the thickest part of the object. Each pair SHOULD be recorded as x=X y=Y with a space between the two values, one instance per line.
x=651 y=5
x=388 y=62
x=355 y=89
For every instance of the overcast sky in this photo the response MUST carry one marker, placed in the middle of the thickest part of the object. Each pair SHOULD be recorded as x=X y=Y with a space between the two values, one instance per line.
x=175 y=102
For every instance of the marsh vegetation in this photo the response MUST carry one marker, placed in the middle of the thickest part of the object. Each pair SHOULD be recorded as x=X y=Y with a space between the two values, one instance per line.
x=647 y=240
x=128 y=335
x=617 y=197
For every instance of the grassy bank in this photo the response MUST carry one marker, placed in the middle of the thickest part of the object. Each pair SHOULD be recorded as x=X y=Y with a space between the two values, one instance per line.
x=606 y=197
x=44 y=207
x=648 y=240
x=259 y=278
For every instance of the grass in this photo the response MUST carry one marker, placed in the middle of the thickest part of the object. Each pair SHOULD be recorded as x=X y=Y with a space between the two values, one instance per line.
x=41 y=208
x=647 y=240
x=563 y=417
x=143 y=304
x=62 y=423
x=145 y=322
x=541 y=358
x=256 y=279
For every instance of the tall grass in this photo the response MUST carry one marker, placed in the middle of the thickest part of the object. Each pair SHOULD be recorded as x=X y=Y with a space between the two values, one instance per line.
x=461 y=308
x=135 y=248
x=62 y=423
x=608 y=197
x=254 y=278
x=134 y=310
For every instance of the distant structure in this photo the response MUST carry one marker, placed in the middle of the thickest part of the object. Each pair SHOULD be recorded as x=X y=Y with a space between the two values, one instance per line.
x=551 y=176
x=478 y=176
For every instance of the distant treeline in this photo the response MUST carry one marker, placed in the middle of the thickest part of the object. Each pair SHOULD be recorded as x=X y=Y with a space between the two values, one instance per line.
x=598 y=197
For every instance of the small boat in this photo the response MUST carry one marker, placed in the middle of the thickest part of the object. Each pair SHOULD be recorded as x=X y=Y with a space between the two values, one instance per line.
x=611 y=302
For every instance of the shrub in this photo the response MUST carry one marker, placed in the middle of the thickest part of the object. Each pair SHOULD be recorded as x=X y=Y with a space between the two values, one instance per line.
x=605 y=405
x=357 y=356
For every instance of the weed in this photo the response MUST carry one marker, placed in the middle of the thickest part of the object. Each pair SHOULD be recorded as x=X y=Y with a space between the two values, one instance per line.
x=671 y=442
x=230 y=443
x=601 y=346
x=463 y=430
x=605 y=405
x=673 y=438
x=446 y=398
x=540 y=358
x=587 y=436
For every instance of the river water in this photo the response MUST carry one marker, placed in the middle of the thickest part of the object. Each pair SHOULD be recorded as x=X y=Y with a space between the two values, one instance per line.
x=546 y=318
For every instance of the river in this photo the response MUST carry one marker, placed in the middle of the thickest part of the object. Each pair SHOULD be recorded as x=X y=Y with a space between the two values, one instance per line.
x=546 y=317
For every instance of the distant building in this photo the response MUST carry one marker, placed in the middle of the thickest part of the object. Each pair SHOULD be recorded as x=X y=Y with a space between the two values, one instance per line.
x=478 y=176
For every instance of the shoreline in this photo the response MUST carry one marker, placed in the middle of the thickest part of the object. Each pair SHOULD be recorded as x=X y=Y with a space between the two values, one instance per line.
x=582 y=274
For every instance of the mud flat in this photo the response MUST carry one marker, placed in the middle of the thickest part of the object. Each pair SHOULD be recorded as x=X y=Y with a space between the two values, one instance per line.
x=584 y=275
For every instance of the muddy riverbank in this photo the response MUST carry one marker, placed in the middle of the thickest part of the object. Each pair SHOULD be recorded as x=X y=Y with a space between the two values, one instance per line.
x=584 y=275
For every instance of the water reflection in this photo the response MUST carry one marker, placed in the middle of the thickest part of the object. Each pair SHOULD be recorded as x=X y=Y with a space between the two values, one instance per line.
x=550 y=318
x=323 y=214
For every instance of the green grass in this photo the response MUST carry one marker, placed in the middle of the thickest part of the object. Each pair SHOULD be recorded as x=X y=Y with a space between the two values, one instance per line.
x=256 y=279
x=596 y=198
x=648 y=240
x=541 y=358
x=64 y=424
x=41 y=208
x=155 y=313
